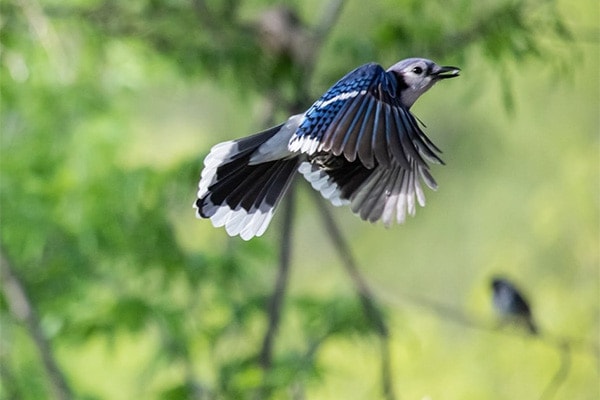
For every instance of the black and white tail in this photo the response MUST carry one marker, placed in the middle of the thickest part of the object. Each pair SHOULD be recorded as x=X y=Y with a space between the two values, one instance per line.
x=239 y=189
x=243 y=181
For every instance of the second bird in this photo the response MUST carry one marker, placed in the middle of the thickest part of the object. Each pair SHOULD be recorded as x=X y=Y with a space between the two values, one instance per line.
x=358 y=145
x=511 y=304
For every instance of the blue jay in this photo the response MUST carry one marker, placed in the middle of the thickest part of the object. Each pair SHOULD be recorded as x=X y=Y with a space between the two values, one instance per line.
x=510 y=304
x=358 y=145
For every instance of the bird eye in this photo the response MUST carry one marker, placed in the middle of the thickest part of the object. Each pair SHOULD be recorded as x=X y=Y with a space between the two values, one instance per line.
x=417 y=70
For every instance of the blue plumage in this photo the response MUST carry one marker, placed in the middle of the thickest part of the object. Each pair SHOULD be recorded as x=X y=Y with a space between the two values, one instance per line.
x=322 y=113
x=511 y=304
x=358 y=144
x=363 y=116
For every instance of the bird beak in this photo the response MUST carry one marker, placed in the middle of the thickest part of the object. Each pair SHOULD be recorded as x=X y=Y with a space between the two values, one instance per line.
x=446 y=72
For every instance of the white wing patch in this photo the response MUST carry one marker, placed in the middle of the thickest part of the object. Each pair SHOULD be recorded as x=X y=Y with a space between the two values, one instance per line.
x=307 y=144
x=321 y=182
x=304 y=145
x=339 y=97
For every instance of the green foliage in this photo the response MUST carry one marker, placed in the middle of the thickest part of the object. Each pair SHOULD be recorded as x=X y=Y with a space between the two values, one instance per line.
x=140 y=300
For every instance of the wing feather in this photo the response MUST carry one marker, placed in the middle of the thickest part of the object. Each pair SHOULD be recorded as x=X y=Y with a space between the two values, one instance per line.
x=363 y=143
x=352 y=134
x=362 y=116
x=379 y=137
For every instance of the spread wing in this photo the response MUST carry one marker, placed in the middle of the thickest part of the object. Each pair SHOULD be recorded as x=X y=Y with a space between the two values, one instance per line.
x=362 y=116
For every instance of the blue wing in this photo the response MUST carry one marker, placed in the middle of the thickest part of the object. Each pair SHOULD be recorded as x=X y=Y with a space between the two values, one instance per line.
x=322 y=113
x=362 y=116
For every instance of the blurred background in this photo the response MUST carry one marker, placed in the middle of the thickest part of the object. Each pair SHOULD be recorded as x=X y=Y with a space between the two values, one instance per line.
x=112 y=289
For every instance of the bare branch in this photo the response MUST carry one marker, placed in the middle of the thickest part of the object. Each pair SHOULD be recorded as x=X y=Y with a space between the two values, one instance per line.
x=560 y=375
x=321 y=31
x=276 y=302
x=22 y=309
x=47 y=36
x=364 y=293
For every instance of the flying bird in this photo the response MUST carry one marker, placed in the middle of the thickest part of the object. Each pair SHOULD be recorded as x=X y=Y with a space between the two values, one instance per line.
x=358 y=145
x=510 y=304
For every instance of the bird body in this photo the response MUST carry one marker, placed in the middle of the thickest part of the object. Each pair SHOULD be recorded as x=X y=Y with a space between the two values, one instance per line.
x=358 y=144
x=510 y=304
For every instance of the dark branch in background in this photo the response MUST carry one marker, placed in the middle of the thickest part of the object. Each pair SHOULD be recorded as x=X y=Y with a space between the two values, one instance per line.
x=22 y=310
x=302 y=48
x=276 y=302
x=7 y=380
x=306 y=62
x=560 y=375
x=366 y=296
x=345 y=254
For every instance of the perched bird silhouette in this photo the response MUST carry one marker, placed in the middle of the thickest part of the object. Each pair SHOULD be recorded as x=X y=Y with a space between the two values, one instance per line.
x=358 y=145
x=511 y=305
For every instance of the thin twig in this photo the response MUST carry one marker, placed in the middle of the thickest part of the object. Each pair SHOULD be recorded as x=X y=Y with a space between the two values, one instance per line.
x=560 y=375
x=386 y=369
x=22 y=309
x=441 y=310
x=365 y=295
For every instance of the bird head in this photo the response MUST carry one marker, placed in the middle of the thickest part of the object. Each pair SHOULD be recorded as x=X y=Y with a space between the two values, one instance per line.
x=418 y=75
x=497 y=283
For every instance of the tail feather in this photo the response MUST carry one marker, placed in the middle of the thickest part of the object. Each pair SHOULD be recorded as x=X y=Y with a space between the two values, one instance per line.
x=533 y=329
x=222 y=155
x=241 y=195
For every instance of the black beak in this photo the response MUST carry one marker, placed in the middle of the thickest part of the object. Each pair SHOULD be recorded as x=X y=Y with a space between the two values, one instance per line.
x=446 y=72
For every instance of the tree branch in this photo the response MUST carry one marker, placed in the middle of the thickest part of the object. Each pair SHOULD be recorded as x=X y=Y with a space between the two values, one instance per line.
x=364 y=293
x=302 y=98
x=561 y=373
x=22 y=309
x=276 y=302
x=47 y=36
